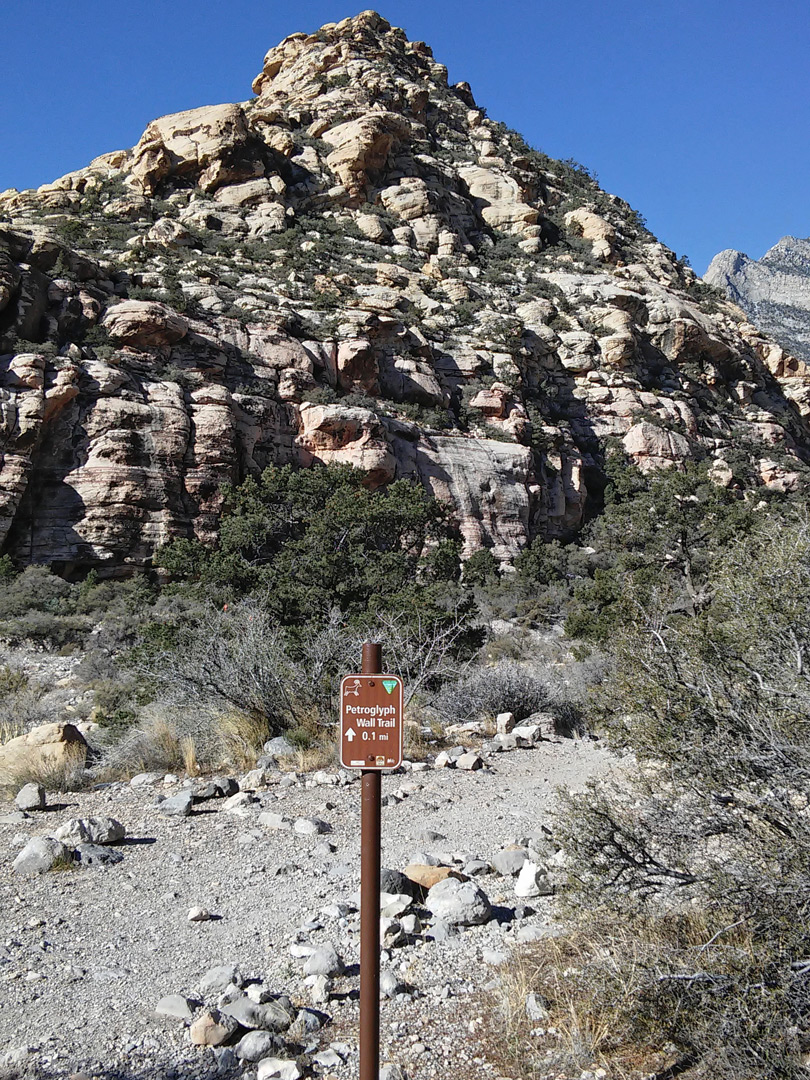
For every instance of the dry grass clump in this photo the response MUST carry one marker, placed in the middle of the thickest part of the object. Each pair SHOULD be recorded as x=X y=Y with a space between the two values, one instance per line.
x=188 y=740
x=639 y=999
x=64 y=773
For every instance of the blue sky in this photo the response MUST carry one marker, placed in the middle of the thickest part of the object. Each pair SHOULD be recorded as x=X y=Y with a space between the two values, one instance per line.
x=694 y=111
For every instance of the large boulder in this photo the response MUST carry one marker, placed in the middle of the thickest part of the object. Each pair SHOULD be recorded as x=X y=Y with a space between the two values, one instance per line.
x=48 y=749
x=144 y=323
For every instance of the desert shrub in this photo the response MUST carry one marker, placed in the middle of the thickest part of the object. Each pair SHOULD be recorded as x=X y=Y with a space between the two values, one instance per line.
x=484 y=692
x=310 y=541
x=711 y=820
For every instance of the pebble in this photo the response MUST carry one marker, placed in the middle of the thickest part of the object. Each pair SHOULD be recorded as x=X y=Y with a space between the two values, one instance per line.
x=199 y=914
x=310 y=826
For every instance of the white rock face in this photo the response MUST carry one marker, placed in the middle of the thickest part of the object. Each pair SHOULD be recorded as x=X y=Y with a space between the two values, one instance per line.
x=773 y=291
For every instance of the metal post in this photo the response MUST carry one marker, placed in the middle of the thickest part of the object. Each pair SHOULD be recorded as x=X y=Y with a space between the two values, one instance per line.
x=370 y=816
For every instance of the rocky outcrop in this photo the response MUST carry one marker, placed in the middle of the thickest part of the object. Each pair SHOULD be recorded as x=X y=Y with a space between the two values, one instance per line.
x=774 y=291
x=356 y=266
x=47 y=749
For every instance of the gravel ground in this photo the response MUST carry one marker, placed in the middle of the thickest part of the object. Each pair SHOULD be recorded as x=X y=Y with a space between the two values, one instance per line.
x=85 y=954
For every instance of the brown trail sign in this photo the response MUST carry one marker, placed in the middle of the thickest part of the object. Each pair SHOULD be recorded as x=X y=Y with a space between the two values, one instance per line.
x=370 y=740
x=371 y=722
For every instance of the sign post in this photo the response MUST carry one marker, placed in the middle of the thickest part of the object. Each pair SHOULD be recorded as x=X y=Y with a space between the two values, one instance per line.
x=370 y=740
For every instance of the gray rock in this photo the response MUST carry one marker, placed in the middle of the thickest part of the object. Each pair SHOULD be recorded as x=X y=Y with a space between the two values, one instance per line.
x=271 y=820
x=476 y=867
x=320 y=988
x=274 y=1068
x=527 y=735
x=470 y=762
x=509 y=861
x=199 y=914
x=504 y=723
x=218 y=787
x=256 y=1045
x=30 y=797
x=394 y=881
x=311 y=826
x=176 y=1007
x=217 y=979
x=274 y=1016
x=328 y=1059
x=39 y=855
x=96 y=855
x=213 y=1028
x=309 y=1021
x=278 y=747
x=430 y=836
x=460 y=903
x=533 y=881
x=92 y=830
x=493 y=957
x=145 y=779
x=177 y=805
x=536 y=1008
x=390 y=985
x=323 y=961
x=16 y=817
x=392 y=1072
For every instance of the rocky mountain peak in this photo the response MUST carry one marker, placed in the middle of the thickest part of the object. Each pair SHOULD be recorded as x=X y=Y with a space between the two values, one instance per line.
x=774 y=291
x=357 y=265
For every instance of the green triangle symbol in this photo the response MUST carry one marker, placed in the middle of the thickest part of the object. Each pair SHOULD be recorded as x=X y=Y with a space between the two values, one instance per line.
x=390 y=685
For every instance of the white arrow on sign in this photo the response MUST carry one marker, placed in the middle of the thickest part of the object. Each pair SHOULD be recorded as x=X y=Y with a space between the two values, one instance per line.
x=351 y=734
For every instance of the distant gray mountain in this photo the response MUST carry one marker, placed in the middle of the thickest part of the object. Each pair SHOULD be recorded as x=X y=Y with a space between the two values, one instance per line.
x=774 y=292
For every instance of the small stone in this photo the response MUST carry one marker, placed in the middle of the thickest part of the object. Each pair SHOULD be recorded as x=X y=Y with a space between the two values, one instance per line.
x=323 y=961
x=275 y=821
x=97 y=855
x=311 y=826
x=394 y=881
x=527 y=735
x=411 y=924
x=218 y=787
x=533 y=881
x=504 y=723
x=177 y=805
x=328 y=1059
x=460 y=903
x=392 y=1072
x=213 y=1028
x=278 y=747
x=30 y=797
x=535 y=1008
x=175 y=1006
x=217 y=979
x=93 y=830
x=493 y=957
x=240 y=804
x=145 y=779
x=428 y=876
x=510 y=860
x=256 y=1045
x=275 y=1015
x=320 y=988
x=199 y=914
x=470 y=762
x=273 y=1068
x=40 y=855
x=390 y=985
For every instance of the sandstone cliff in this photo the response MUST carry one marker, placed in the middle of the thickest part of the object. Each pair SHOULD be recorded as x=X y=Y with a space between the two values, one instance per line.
x=354 y=265
x=774 y=291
